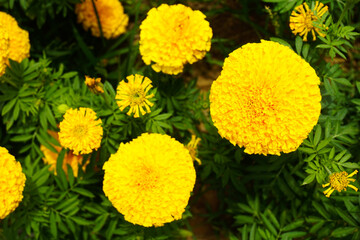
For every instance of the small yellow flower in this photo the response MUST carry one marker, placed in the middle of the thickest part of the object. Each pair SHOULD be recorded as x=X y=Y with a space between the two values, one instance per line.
x=4 y=49
x=173 y=35
x=302 y=19
x=19 y=43
x=12 y=183
x=80 y=130
x=339 y=181
x=113 y=20
x=192 y=147
x=133 y=93
x=94 y=84
x=149 y=180
x=266 y=99
x=50 y=158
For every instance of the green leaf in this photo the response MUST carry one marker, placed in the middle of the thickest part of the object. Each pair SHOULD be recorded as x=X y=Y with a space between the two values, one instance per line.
x=291 y=235
x=309 y=179
x=293 y=225
x=298 y=44
x=8 y=106
x=305 y=50
x=323 y=144
x=243 y=219
x=53 y=227
x=350 y=165
x=317 y=135
x=81 y=221
x=321 y=210
x=163 y=116
x=346 y=217
x=244 y=235
x=273 y=218
x=83 y=192
x=268 y=224
x=100 y=222
x=111 y=229
x=343 y=232
x=21 y=138
x=70 y=174
x=253 y=231
x=306 y=150
x=59 y=170
x=281 y=41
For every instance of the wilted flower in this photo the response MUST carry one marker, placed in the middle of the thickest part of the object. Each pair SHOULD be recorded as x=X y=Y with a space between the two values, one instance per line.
x=148 y=187
x=172 y=36
x=94 y=85
x=192 y=147
x=267 y=99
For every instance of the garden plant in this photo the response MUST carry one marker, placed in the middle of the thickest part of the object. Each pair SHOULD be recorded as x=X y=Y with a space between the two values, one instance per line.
x=196 y=119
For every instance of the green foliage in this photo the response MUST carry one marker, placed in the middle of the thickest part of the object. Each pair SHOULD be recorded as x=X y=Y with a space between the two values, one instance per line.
x=253 y=197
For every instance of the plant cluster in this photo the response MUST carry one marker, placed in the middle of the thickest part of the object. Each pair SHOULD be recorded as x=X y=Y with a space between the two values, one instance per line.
x=103 y=114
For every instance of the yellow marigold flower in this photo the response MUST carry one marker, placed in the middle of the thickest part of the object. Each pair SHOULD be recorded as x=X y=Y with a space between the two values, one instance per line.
x=172 y=36
x=148 y=187
x=133 y=93
x=80 y=130
x=113 y=20
x=4 y=49
x=12 y=183
x=94 y=85
x=50 y=158
x=267 y=99
x=192 y=147
x=302 y=19
x=339 y=181
x=19 y=43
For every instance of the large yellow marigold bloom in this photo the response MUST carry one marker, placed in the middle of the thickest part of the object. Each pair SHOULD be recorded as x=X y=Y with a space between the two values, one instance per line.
x=134 y=93
x=172 y=36
x=113 y=20
x=19 y=43
x=12 y=183
x=4 y=49
x=50 y=158
x=149 y=179
x=80 y=130
x=302 y=19
x=267 y=98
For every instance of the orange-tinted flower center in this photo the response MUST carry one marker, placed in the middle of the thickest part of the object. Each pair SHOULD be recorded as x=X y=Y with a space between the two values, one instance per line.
x=80 y=130
x=147 y=179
